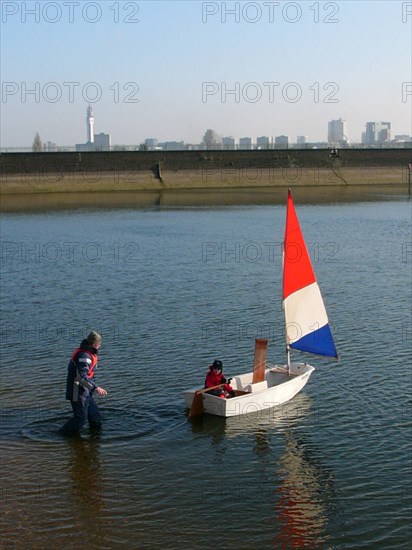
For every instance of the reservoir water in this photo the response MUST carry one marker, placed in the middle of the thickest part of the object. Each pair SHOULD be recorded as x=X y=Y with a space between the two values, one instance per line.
x=170 y=290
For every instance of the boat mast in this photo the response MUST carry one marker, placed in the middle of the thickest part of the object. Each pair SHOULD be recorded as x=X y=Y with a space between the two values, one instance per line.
x=284 y=316
x=283 y=309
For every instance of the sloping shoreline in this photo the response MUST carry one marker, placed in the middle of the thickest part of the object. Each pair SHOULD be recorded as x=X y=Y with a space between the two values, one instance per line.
x=185 y=178
x=200 y=197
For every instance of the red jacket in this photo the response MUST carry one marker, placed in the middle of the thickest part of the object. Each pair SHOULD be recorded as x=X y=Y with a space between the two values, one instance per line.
x=93 y=357
x=80 y=372
x=214 y=379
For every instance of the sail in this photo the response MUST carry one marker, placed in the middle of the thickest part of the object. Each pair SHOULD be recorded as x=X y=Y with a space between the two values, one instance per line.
x=307 y=325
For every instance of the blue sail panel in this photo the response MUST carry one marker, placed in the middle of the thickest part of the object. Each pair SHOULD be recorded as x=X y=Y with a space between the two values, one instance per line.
x=319 y=342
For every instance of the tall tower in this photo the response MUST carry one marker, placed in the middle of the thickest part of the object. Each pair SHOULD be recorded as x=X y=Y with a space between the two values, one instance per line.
x=90 y=124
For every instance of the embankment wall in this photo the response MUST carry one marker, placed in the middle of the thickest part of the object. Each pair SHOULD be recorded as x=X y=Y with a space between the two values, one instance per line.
x=25 y=173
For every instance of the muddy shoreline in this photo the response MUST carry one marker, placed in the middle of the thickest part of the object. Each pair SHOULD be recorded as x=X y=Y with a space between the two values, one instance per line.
x=178 y=198
x=35 y=181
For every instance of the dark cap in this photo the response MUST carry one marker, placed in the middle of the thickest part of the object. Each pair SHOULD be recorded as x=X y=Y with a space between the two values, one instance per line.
x=218 y=365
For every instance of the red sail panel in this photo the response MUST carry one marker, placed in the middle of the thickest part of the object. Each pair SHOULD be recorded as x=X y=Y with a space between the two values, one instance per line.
x=297 y=268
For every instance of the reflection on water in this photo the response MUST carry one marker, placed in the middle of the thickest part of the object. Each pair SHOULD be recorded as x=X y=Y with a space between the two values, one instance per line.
x=303 y=499
x=280 y=418
x=84 y=476
x=196 y=197
x=301 y=488
x=261 y=443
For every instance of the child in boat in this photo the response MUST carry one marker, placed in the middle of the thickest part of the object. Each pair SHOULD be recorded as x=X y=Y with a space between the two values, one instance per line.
x=215 y=377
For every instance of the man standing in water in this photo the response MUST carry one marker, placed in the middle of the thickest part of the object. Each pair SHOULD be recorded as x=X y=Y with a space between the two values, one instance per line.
x=80 y=386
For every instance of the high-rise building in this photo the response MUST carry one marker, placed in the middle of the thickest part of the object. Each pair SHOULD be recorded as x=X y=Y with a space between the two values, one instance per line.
x=245 y=143
x=337 y=132
x=282 y=141
x=377 y=133
x=262 y=142
x=228 y=142
x=302 y=140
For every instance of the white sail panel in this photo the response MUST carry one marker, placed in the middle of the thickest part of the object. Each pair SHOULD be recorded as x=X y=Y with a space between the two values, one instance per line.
x=304 y=313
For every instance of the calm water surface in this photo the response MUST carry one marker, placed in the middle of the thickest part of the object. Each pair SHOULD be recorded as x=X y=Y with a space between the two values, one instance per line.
x=171 y=290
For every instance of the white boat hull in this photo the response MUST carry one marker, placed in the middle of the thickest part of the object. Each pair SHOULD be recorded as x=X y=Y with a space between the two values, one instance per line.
x=277 y=388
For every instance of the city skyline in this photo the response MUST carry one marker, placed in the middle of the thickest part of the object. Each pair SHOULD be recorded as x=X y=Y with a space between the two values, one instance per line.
x=376 y=133
x=241 y=68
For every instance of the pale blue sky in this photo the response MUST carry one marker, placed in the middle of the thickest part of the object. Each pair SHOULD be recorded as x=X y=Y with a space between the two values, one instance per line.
x=170 y=48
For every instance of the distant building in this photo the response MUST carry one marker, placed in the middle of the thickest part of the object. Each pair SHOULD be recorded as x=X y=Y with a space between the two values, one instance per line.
x=49 y=147
x=102 y=142
x=402 y=137
x=263 y=142
x=337 y=132
x=200 y=146
x=282 y=141
x=377 y=133
x=83 y=147
x=173 y=145
x=150 y=144
x=228 y=142
x=302 y=140
x=245 y=143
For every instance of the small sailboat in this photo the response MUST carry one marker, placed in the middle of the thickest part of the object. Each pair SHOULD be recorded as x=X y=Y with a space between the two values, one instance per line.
x=307 y=330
